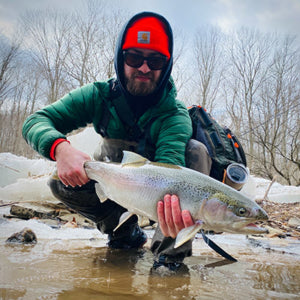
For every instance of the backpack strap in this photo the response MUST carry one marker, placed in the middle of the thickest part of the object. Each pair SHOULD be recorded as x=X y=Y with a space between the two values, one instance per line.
x=104 y=121
x=127 y=117
x=236 y=146
x=124 y=112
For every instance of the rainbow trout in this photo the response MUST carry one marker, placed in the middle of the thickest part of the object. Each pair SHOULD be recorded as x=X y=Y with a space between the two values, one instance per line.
x=138 y=184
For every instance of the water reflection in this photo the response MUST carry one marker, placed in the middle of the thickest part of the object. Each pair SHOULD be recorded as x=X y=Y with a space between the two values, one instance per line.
x=276 y=277
x=45 y=271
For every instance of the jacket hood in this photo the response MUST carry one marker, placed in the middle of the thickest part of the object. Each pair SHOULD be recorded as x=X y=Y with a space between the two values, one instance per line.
x=119 y=61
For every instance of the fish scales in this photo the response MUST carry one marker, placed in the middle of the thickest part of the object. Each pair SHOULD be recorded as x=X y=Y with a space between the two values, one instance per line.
x=129 y=186
x=138 y=184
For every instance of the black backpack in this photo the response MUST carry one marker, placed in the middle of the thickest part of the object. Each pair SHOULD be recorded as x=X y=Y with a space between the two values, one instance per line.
x=223 y=146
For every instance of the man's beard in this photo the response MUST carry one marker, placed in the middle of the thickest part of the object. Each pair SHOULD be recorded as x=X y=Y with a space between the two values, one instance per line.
x=139 y=88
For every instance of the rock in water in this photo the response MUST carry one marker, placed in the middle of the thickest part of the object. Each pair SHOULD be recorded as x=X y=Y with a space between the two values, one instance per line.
x=26 y=236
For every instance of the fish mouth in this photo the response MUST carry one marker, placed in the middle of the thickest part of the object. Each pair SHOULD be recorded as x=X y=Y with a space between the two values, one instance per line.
x=236 y=226
x=252 y=228
x=249 y=227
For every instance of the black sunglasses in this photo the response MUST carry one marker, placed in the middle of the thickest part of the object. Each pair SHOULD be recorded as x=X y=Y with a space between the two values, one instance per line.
x=135 y=60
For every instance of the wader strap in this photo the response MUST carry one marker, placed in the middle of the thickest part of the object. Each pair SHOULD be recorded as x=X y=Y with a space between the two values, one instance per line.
x=104 y=120
x=124 y=111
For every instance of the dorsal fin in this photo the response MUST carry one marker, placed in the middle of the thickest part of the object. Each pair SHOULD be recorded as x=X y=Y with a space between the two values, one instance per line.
x=132 y=158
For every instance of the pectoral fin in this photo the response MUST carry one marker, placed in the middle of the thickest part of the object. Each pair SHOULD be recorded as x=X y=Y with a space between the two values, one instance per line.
x=100 y=193
x=124 y=217
x=186 y=234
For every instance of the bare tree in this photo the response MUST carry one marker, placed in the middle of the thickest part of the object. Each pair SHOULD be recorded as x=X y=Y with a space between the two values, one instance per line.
x=94 y=35
x=277 y=135
x=181 y=68
x=86 y=45
x=209 y=66
x=248 y=52
x=48 y=37
x=9 y=50
x=111 y=24
x=22 y=102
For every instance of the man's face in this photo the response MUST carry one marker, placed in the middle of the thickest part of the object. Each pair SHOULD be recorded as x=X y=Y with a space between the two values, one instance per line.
x=141 y=81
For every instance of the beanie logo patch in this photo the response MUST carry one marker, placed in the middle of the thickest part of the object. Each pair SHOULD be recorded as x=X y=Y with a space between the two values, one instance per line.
x=143 y=37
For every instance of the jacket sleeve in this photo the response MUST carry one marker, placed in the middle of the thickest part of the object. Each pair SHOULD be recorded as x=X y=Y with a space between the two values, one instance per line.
x=175 y=132
x=73 y=111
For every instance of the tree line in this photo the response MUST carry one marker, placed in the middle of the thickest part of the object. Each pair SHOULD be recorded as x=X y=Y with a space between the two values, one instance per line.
x=248 y=80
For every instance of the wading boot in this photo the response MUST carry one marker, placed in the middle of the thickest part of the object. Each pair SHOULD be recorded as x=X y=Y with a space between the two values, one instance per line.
x=127 y=237
x=168 y=265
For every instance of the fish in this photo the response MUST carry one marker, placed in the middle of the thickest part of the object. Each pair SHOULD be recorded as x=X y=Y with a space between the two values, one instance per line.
x=138 y=184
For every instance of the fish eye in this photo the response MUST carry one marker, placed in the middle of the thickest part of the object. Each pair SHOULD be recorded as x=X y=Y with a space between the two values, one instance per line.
x=242 y=211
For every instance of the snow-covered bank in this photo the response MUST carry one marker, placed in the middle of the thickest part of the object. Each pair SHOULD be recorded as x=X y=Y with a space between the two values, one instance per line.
x=14 y=167
x=278 y=192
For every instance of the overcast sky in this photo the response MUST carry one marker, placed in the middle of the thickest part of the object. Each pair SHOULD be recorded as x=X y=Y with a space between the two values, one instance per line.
x=282 y=16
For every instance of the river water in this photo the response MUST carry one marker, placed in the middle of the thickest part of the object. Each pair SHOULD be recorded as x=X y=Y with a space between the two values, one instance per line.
x=73 y=264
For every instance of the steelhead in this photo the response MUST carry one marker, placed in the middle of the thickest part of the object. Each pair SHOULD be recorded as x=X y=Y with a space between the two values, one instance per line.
x=138 y=184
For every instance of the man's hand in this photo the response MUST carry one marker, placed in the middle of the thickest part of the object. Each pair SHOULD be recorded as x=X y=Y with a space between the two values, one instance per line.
x=170 y=217
x=70 y=162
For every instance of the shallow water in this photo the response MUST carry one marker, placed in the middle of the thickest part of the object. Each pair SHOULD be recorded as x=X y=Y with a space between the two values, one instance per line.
x=86 y=269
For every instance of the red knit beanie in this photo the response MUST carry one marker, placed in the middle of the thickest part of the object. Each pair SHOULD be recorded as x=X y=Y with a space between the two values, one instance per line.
x=147 y=33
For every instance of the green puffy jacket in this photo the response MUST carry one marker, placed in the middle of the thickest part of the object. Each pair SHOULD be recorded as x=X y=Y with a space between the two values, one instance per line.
x=170 y=131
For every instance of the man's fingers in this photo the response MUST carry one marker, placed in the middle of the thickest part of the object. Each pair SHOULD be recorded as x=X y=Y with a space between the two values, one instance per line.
x=161 y=218
x=64 y=181
x=74 y=177
x=82 y=179
x=187 y=218
x=176 y=213
x=169 y=216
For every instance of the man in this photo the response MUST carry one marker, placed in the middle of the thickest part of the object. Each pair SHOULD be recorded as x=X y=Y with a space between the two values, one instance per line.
x=141 y=114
